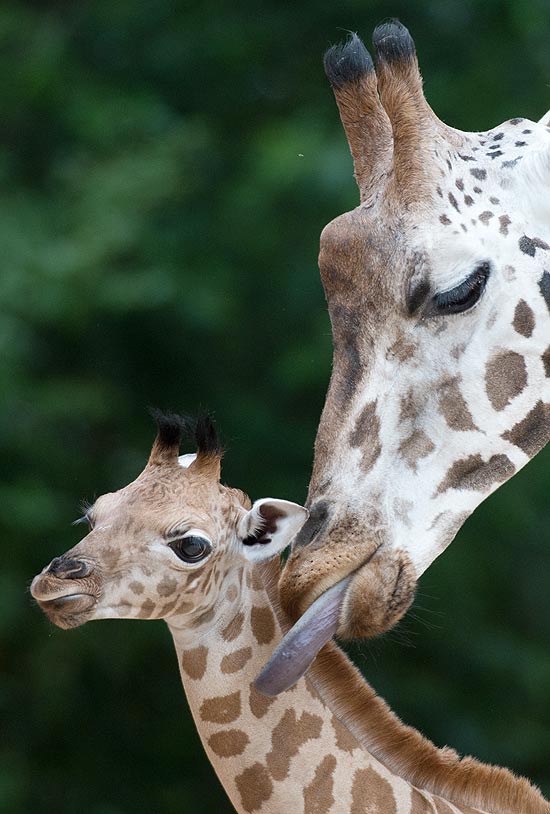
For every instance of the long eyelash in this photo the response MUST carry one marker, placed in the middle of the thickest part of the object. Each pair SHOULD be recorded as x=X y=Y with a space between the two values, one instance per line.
x=454 y=297
x=85 y=507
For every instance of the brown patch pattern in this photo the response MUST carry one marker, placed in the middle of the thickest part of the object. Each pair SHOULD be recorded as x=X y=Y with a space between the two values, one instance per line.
x=344 y=739
x=546 y=362
x=453 y=407
x=222 y=709
x=146 y=609
x=533 y=432
x=193 y=662
x=365 y=434
x=476 y=474
x=234 y=662
x=286 y=739
x=524 y=319
x=254 y=786
x=366 y=422
x=416 y=447
x=263 y=624
x=233 y=630
x=318 y=795
x=167 y=586
x=369 y=786
x=228 y=742
x=259 y=704
x=505 y=378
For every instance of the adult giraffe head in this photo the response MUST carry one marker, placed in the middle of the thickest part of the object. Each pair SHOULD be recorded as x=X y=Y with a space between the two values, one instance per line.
x=438 y=288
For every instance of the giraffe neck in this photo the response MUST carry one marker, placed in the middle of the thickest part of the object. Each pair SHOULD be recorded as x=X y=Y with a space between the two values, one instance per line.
x=302 y=751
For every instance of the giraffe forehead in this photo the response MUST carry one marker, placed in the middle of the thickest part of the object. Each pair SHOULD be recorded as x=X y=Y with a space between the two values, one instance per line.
x=163 y=496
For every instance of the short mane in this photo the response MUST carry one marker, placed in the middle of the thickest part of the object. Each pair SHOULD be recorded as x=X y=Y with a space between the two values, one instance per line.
x=401 y=748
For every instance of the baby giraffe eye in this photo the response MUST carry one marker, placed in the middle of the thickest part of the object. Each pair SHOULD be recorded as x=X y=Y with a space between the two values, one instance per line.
x=463 y=296
x=191 y=548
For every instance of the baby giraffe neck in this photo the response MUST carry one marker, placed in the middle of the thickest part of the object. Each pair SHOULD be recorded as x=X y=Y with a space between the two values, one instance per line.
x=292 y=753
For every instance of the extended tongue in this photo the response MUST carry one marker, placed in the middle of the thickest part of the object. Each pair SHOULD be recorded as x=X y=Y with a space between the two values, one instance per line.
x=298 y=649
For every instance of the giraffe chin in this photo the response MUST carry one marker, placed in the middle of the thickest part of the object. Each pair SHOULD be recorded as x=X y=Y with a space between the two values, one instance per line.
x=71 y=610
x=365 y=604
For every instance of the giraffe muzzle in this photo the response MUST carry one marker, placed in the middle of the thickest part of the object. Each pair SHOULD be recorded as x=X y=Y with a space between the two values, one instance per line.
x=67 y=591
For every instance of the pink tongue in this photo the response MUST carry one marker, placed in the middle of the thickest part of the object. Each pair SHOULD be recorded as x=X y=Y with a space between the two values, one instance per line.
x=295 y=653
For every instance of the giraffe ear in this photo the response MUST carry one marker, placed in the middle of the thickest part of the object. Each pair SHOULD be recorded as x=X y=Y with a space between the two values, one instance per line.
x=545 y=119
x=269 y=527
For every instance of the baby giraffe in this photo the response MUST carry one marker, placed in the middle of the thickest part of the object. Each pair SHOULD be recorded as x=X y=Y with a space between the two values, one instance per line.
x=178 y=545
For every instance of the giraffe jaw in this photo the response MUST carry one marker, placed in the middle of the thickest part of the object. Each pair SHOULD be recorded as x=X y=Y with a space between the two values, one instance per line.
x=68 y=611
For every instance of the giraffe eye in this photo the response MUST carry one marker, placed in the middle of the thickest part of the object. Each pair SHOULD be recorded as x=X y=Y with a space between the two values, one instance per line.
x=463 y=296
x=191 y=548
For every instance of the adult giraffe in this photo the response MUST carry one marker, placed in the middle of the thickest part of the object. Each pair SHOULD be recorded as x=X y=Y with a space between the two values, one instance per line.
x=438 y=287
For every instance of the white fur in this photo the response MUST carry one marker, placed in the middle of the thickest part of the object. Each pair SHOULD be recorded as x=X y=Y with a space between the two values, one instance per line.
x=287 y=526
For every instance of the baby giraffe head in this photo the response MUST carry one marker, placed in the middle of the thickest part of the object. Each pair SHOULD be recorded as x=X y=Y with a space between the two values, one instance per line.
x=163 y=546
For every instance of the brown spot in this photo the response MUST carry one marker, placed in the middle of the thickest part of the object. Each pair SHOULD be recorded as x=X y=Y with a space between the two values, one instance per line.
x=259 y=704
x=453 y=201
x=409 y=406
x=403 y=348
x=167 y=608
x=286 y=739
x=371 y=786
x=344 y=739
x=366 y=420
x=524 y=319
x=533 y=432
x=546 y=361
x=136 y=587
x=263 y=624
x=229 y=742
x=233 y=630
x=416 y=447
x=204 y=618
x=318 y=796
x=254 y=579
x=232 y=593
x=453 y=406
x=485 y=217
x=476 y=474
x=468 y=200
x=234 y=662
x=444 y=220
x=365 y=434
x=504 y=224
x=255 y=787
x=223 y=709
x=167 y=586
x=505 y=378
x=147 y=609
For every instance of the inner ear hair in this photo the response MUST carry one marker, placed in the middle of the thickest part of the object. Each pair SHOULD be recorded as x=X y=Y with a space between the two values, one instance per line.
x=265 y=525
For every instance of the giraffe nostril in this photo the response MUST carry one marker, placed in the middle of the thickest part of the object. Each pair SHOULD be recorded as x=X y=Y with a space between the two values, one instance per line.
x=67 y=568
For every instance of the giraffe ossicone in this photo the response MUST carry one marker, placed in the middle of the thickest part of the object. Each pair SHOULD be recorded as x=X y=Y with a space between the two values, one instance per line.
x=438 y=289
x=178 y=545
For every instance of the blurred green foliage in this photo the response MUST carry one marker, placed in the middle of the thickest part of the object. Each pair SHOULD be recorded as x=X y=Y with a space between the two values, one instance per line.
x=166 y=170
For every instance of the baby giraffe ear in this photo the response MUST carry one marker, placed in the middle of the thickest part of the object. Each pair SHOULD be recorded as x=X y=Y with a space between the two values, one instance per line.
x=269 y=527
x=545 y=119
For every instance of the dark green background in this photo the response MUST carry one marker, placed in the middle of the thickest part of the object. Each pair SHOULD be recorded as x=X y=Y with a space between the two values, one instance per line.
x=166 y=169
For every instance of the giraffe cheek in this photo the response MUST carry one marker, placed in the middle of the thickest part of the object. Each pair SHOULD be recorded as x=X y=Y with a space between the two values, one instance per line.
x=379 y=595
